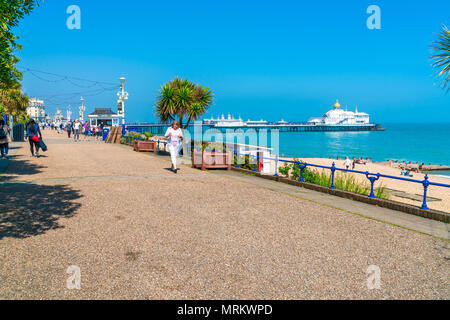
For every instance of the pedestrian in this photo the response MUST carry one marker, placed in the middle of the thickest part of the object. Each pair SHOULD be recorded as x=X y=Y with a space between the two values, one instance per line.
x=86 y=130
x=347 y=163
x=5 y=139
x=69 y=129
x=33 y=135
x=175 y=135
x=76 y=132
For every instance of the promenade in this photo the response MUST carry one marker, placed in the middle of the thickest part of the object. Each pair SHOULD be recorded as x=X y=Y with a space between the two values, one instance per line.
x=138 y=231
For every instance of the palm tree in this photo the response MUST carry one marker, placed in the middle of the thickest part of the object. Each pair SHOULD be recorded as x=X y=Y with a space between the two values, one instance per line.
x=13 y=99
x=441 y=60
x=183 y=99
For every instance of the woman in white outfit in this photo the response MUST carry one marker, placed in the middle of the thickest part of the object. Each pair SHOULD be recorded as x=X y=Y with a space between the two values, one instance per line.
x=175 y=135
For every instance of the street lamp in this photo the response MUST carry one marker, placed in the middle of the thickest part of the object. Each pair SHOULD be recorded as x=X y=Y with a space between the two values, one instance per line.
x=82 y=110
x=122 y=96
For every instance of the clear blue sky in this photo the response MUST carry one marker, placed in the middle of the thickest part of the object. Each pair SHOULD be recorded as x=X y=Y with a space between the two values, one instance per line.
x=262 y=59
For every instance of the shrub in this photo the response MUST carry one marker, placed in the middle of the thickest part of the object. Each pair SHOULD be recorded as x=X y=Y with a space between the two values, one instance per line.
x=342 y=181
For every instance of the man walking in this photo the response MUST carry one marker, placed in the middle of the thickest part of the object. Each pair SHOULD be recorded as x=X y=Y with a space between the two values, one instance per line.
x=69 y=129
x=76 y=132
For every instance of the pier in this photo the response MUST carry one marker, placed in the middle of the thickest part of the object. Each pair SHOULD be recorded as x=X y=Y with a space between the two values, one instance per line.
x=158 y=128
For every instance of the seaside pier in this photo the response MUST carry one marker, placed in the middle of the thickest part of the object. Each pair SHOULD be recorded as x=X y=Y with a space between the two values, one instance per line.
x=159 y=128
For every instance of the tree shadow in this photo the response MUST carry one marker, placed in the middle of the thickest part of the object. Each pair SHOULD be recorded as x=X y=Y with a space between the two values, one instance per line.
x=30 y=209
x=16 y=166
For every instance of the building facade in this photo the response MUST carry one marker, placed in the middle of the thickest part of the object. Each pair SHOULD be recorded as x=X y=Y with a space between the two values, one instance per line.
x=36 y=110
x=105 y=116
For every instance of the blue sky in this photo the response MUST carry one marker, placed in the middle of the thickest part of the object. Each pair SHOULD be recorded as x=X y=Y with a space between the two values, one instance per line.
x=262 y=59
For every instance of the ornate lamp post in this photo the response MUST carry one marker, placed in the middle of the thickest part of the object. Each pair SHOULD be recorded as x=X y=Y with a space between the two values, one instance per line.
x=69 y=114
x=122 y=96
x=82 y=109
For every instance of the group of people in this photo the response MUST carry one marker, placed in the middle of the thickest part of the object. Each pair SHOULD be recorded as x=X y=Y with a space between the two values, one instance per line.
x=76 y=128
x=33 y=135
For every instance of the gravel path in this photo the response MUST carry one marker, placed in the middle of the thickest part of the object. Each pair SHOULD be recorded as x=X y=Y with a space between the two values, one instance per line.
x=137 y=231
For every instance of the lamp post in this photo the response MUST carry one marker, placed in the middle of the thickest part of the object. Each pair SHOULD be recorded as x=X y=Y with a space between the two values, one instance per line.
x=82 y=110
x=122 y=96
x=69 y=114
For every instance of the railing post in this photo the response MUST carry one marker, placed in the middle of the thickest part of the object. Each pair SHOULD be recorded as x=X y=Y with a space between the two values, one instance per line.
x=302 y=168
x=333 y=169
x=254 y=169
x=426 y=183
x=276 y=166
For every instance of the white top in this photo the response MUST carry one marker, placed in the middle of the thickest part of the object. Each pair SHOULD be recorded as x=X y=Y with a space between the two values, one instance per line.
x=347 y=162
x=174 y=136
x=76 y=125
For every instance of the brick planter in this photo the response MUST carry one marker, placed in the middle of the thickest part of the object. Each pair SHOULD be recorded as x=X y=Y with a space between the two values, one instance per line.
x=144 y=146
x=211 y=160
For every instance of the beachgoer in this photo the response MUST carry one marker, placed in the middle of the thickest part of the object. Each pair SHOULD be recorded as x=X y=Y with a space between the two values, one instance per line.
x=347 y=163
x=175 y=135
x=76 y=128
x=33 y=135
x=5 y=139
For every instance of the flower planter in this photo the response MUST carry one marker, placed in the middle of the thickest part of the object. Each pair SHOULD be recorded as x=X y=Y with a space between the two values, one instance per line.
x=144 y=146
x=211 y=160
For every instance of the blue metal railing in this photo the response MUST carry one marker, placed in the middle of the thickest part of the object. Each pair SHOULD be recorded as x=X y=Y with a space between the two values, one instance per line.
x=372 y=177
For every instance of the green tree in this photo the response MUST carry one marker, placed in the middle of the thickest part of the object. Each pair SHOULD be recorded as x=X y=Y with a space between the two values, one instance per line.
x=441 y=60
x=13 y=101
x=11 y=12
x=183 y=100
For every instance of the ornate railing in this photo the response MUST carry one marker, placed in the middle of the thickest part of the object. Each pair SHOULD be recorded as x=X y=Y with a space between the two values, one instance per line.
x=372 y=177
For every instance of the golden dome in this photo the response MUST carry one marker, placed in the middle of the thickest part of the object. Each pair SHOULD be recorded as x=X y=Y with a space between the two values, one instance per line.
x=337 y=105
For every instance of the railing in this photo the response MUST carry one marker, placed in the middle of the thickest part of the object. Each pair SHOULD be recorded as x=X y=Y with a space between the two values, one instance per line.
x=372 y=177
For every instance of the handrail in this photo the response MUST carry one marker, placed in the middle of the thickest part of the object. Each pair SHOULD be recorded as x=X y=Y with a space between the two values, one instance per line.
x=372 y=177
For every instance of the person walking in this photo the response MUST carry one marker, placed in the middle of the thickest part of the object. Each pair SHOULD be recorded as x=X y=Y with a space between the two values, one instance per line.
x=69 y=129
x=5 y=139
x=175 y=135
x=347 y=163
x=86 y=130
x=76 y=130
x=33 y=135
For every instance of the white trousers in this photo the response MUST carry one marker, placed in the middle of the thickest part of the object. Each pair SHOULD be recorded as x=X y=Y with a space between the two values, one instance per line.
x=174 y=151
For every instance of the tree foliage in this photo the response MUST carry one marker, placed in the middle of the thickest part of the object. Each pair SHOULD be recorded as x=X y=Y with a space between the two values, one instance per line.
x=13 y=100
x=11 y=12
x=441 y=60
x=181 y=100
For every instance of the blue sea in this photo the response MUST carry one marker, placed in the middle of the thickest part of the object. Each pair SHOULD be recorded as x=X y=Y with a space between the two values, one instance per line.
x=428 y=143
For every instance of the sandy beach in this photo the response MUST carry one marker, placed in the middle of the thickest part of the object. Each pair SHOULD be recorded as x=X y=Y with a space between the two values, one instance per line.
x=403 y=191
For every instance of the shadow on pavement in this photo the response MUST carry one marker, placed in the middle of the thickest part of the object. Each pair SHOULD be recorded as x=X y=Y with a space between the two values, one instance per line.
x=16 y=166
x=29 y=209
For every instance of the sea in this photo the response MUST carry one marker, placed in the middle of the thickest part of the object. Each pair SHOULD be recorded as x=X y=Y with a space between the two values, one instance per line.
x=423 y=143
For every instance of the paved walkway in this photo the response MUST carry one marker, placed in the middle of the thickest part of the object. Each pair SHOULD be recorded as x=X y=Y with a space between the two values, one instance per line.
x=138 y=231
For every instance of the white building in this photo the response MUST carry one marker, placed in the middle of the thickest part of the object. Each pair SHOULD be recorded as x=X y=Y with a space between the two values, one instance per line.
x=58 y=118
x=36 y=110
x=338 y=116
